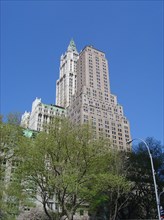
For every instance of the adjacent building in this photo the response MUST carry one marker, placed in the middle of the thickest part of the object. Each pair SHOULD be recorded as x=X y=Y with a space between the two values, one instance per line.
x=41 y=114
x=93 y=102
x=25 y=119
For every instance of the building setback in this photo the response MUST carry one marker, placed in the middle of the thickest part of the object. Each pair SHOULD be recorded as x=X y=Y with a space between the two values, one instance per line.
x=93 y=102
x=83 y=95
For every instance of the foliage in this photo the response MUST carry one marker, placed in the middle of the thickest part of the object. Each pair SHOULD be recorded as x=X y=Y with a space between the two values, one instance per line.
x=141 y=201
x=33 y=214
x=10 y=135
x=137 y=200
x=14 y=118
x=68 y=165
x=11 y=139
x=109 y=201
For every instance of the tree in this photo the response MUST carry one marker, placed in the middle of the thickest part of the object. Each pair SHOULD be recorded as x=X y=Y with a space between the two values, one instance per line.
x=137 y=199
x=141 y=201
x=109 y=202
x=10 y=138
x=65 y=164
x=14 y=118
x=33 y=214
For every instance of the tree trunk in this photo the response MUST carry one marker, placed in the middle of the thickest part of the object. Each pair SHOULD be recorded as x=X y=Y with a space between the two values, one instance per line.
x=45 y=210
x=70 y=216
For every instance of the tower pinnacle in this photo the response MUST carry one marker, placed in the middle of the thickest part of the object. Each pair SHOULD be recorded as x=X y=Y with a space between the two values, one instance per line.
x=72 y=46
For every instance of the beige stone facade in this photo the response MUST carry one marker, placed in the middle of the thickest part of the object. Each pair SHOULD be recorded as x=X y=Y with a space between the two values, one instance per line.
x=93 y=102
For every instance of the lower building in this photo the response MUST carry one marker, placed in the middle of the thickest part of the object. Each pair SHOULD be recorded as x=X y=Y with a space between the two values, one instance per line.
x=25 y=119
x=41 y=114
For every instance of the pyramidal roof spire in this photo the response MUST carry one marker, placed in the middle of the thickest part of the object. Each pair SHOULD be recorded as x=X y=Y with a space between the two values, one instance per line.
x=72 y=46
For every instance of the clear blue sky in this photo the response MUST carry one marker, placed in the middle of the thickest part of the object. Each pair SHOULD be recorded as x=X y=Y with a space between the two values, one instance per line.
x=34 y=34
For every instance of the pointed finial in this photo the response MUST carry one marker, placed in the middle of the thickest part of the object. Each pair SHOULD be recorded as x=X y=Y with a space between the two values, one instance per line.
x=72 y=46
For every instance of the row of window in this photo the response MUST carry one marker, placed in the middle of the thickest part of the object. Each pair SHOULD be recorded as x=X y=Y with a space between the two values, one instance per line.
x=49 y=111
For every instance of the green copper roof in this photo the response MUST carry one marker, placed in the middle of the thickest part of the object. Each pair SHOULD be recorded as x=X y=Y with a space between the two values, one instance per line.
x=29 y=133
x=72 y=46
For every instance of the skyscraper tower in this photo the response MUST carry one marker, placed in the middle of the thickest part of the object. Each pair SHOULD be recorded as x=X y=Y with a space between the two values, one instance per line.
x=66 y=84
x=93 y=101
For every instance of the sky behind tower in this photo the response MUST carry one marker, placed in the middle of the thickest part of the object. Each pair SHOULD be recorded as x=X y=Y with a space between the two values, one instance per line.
x=34 y=34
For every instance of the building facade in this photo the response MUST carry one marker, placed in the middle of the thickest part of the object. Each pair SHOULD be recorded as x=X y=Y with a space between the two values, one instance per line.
x=83 y=88
x=41 y=114
x=25 y=119
x=66 y=84
x=93 y=102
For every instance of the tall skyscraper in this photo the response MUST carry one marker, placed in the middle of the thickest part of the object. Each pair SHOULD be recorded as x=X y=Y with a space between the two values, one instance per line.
x=93 y=101
x=66 y=84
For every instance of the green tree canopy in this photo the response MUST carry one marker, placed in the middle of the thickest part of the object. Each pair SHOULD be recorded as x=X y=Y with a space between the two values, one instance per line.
x=67 y=165
x=141 y=202
x=11 y=139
